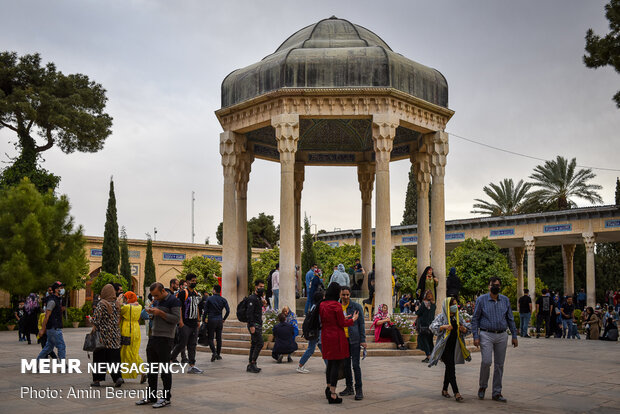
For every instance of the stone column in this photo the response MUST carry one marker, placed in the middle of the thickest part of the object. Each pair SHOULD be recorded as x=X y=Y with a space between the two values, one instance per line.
x=244 y=166
x=287 y=134
x=299 y=185
x=383 y=133
x=229 y=242
x=588 y=239
x=422 y=170
x=519 y=255
x=530 y=246
x=366 y=179
x=437 y=147
x=569 y=277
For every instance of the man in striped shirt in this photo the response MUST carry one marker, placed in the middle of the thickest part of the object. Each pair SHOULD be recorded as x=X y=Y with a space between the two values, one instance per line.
x=492 y=316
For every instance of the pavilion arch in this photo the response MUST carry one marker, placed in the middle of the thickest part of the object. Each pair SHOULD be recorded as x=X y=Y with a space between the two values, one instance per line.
x=172 y=273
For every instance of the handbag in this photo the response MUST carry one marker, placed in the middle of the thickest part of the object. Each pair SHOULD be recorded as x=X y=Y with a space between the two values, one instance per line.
x=126 y=340
x=92 y=342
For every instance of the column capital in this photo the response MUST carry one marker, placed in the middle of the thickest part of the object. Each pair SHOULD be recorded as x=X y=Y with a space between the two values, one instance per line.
x=366 y=179
x=530 y=244
x=299 y=176
x=242 y=172
x=228 y=151
x=421 y=161
x=437 y=147
x=589 y=241
x=520 y=254
x=569 y=249
x=383 y=133
x=287 y=135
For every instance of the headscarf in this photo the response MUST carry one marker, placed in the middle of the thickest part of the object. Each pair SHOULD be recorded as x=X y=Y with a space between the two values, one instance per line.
x=426 y=303
x=108 y=298
x=341 y=268
x=380 y=315
x=131 y=297
x=457 y=316
x=452 y=271
x=333 y=291
x=32 y=304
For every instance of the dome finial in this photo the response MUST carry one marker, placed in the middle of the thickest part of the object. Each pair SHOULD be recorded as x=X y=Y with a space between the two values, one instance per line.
x=333 y=17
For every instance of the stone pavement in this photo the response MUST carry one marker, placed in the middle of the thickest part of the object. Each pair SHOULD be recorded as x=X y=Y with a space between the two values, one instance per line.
x=541 y=375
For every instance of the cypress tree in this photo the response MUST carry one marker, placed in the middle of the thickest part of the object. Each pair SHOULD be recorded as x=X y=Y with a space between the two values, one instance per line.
x=308 y=256
x=125 y=266
x=617 y=191
x=410 y=215
x=149 y=266
x=110 y=254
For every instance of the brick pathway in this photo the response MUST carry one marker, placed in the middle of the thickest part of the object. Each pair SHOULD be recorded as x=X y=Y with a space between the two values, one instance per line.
x=544 y=375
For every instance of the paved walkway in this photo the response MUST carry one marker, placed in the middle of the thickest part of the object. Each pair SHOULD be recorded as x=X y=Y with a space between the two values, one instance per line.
x=541 y=375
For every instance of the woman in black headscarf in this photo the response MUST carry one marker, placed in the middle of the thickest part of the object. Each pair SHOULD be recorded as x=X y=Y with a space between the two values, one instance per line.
x=427 y=281
x=453 y=284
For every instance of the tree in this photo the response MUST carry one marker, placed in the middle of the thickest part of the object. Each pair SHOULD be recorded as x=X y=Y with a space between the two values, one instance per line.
x=104 y=278
x=41 y=102
x=617 y=191
x=604 y=51
x=406 y=265
x=265 y=264
x=475 y=262
x=510 y=290
x=264 y=231
x=125 y=266
x=207 y=271
x=219 y=233
x=308 y=258
x=506 y=198
x=110 y=250
x=149 y=265
x=410 y=215
x=607 y=268
x=38 y=241
x=559 y=182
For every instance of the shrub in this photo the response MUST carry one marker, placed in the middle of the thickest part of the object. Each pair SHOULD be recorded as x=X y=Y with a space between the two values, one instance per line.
x=105 y=278
x=75 y=314
x=87 y=308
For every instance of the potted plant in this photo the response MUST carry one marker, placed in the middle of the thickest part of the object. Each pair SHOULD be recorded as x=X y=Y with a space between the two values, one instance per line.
x=87 y=311
x=271 y=318
x=10 y=325
x=403 y=325
x=75 y=316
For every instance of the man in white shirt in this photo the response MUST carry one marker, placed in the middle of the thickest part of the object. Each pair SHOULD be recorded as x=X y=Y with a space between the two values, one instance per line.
x=275 y=287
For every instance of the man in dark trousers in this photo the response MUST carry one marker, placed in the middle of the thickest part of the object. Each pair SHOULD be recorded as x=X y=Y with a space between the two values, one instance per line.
x=214 y=306
x=166 y=313
x=255 y=324
x=544 y=310
x=357 y=340
x=52 y=323
x=525 y=312
x=190 y=313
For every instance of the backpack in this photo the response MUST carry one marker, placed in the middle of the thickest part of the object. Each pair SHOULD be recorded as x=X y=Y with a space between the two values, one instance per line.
x=312 y=325
x=242 y=310
x=545 y=303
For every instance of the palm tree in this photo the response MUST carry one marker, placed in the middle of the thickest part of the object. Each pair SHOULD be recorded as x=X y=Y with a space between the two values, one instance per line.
x=506 y=199
x=559 y=182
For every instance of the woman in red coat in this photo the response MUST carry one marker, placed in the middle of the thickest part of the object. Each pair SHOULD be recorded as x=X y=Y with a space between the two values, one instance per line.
x=335 y=347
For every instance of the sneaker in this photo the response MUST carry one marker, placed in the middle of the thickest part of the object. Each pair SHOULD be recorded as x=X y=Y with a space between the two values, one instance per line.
x=481 y=392
x=347 y=391
x=218 y=357
x=253 y=369
x=280 y=358
x=144 y=401
x=213 y=357
x=194 y=370
x=289 y=359
x=359 y=395
x=500 y=398
x=118 y=382
x=302 y=370
x=425 y=360
x=162 y=402
x=95 y=384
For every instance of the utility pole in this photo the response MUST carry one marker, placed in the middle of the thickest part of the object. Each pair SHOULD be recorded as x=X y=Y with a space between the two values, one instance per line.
x=193 y=199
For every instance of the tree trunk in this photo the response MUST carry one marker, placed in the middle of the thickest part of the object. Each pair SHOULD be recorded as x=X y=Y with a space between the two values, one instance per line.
x=565 y=266
x=513 y=262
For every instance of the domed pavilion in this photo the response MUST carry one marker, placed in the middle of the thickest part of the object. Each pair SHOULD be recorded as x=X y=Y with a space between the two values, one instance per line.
x=334 y=93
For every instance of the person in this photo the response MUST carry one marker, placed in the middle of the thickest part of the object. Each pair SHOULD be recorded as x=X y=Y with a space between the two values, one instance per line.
x=371 y=287
x=275 y=287
x=19 y=316
x=340 y=276
x=591 y=323
x=214 y=306
x=31 y=316
x=316 y=284
x=255 y=324
x=316 y=300
x=42 y=339
x=384 y=329
x=567 y=312
x=335 y=346
x=469 y=308
x=291 y=318
x=183 y=284
x=525 y=313
x=426 y=313
x=492 y=316
x=190 y=312
x=544 y=310
x=610 y=333
x=174 y=287
x=52 y=323
x=130 y=327
x=581 y=299
x=284 y=337
x=405 y=304
x=356 y=337
x=166 y=313
x=450 y=348
x=309 y=276
x=453 y=284
x=106 y=321
x=359 y=273
x=427 y=281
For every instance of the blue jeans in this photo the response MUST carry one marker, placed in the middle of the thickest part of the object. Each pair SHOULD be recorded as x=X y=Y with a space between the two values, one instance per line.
x=353 y=361
x=308 y=305
x=276 y=298
x=524 y=322
x=309 y=351
x=567 y=328
x=54 y=339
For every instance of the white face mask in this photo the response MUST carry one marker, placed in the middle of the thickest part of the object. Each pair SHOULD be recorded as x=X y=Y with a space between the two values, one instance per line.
x=62 y=291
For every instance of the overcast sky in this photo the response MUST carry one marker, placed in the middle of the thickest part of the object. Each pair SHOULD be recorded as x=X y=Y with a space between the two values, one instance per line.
x=514 y=69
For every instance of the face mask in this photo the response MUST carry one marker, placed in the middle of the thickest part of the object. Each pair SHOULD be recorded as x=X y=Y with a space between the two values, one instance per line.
x=47 y=294
x=454 y=308
x=260 y=292
x=495 y=290
x=62 y=291
x=193 y=285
